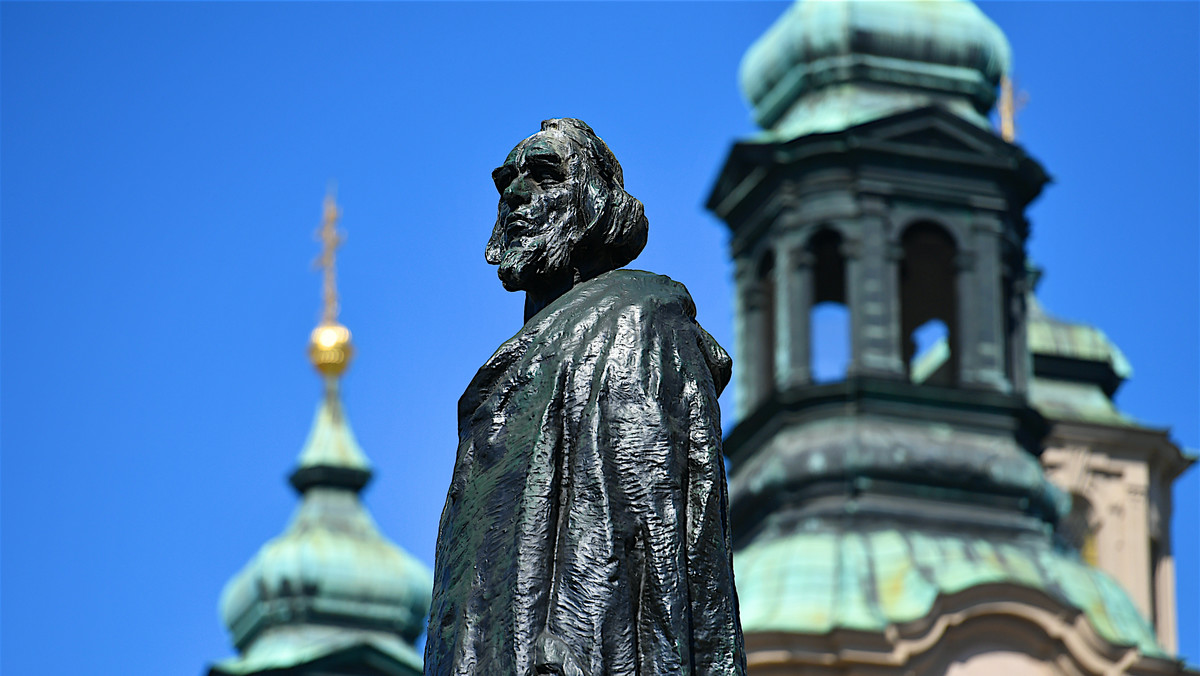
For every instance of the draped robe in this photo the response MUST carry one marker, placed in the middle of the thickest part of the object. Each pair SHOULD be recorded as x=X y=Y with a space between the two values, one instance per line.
x=585 y=531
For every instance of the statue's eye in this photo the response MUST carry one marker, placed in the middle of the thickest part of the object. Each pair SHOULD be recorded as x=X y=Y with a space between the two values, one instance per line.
x=502 y=176
x=544 y=172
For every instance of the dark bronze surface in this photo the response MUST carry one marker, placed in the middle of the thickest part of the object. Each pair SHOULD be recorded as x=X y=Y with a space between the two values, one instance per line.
x=586 y=529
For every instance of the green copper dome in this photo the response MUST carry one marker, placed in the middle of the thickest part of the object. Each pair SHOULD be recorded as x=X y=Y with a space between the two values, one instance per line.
x=331 y=582
x=826 y=577
x=826 y=65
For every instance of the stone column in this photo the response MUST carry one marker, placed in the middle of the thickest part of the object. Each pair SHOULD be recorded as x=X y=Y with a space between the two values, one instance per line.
x=1020 y=366
x=1137 y=541
x=1164 y=623
x=877 y=332
x=1162 y=581
x=964 y=335
x=749 y=338
x=987 y=305
x=893 y=256
x=851 y=252
x=742 y=331
x=793 y=307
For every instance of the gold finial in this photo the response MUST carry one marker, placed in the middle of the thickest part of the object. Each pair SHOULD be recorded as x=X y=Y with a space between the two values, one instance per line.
x=1008 y=107
x=329 y=345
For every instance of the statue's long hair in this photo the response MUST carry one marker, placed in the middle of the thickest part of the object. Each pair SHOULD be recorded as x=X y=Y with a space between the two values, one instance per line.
x=616 y=221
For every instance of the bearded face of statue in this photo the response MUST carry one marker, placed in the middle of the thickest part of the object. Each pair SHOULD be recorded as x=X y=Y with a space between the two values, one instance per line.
x=545 y=211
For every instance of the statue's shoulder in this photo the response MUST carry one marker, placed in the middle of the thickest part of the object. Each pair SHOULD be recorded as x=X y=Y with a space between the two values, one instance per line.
x=645 y=290
x=659 y=301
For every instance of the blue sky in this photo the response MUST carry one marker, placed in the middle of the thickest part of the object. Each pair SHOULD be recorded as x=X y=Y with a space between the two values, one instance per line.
x=163 y=167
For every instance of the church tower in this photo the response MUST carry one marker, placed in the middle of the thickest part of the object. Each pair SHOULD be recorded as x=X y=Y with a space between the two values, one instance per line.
x=889 y=511
x=330 y=596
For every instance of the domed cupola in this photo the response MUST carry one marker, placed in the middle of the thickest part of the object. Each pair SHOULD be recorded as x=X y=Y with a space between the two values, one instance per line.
x=331 y=595
x=826 y=65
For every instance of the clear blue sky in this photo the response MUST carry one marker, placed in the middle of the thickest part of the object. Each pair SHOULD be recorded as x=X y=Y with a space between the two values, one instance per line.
x=162 y=171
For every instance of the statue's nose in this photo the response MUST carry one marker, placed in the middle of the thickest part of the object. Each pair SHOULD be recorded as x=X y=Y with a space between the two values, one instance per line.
x=516 y=192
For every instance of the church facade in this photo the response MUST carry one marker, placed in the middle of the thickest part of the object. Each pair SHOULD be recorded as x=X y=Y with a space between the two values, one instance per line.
x=973 y=505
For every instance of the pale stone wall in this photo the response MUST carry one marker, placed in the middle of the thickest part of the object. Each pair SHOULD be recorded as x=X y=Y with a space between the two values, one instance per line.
x=1124 y=474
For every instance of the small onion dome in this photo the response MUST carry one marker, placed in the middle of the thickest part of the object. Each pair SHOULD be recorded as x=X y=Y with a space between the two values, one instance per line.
x=330 y=349
x=331 y=567
x=331 y=580
x=826 y=65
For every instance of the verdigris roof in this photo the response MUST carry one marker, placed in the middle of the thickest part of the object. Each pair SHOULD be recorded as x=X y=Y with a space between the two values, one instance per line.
x=1076 y=369
x=287 y=646
x=1083 y=402
x=331 y=442
x=826 y=65
x=1054 y=337
x=331 y=582
x=822 y=578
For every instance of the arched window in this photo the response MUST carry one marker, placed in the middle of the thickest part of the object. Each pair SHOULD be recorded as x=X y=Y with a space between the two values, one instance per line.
x=829 y=318
x=929 y=305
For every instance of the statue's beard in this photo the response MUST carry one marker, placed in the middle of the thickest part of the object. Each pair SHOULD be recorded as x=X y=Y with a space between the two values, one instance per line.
x=535 y=262
x=543 y=256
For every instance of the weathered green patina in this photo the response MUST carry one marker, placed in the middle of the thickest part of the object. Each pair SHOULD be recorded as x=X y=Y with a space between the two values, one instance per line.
x=1053 y=337
x=331 y=589
x=826 y=66
x=823 y=578
x=1076 y=370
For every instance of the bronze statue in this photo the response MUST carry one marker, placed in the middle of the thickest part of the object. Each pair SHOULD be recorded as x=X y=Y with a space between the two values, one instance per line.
x=585 y=532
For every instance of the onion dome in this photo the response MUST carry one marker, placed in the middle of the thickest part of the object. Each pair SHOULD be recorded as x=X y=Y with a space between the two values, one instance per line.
x=331 y=581
x=331 y=590
x=826 y=65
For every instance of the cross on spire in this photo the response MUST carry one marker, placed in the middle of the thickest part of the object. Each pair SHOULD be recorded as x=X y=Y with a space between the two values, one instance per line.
x=1008 y=108
x=330 y=239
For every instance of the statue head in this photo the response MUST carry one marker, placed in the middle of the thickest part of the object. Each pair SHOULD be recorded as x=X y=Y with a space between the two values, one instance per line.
x=564 y=215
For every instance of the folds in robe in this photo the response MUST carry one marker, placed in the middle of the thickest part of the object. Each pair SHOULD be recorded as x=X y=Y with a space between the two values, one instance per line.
x=585 y=531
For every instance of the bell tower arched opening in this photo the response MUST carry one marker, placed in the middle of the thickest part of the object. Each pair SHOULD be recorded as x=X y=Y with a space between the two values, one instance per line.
x=929 y=305
x=829 y=315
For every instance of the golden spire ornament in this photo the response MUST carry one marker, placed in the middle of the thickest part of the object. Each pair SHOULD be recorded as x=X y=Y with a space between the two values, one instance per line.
x=329 y=347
